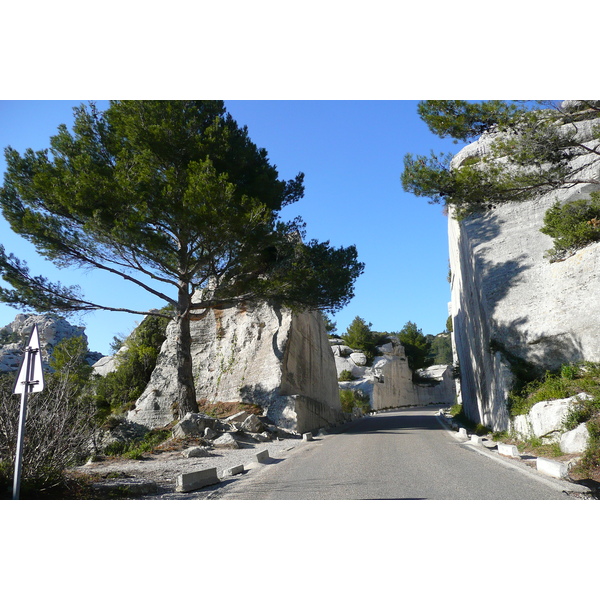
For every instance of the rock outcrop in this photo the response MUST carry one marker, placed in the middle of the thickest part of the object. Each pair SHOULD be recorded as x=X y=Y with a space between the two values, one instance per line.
x=255 y=353
x=389 y=381
x=509 y=303
x=52 y=330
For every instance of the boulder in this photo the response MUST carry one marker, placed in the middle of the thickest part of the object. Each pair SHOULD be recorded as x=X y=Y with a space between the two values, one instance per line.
x=226 y=441
x=193 y=425
x=239 y=417
x=209 y=434
x=386 y=348
x=195 y=452
x=341 y=350
x=576 y=440
x=545 y=419
x=359 y=359
x=253 y=424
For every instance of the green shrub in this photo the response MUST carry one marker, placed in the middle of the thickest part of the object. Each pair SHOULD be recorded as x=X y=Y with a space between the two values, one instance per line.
x=346 y=375
x=354 y=398
x=117 y=391
x=456 y=410
x=590 y=460
x=571 y=380
x=572 y=225
x=135 y=449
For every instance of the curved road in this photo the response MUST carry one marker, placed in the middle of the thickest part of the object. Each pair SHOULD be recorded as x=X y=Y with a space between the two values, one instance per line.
x=402 y=455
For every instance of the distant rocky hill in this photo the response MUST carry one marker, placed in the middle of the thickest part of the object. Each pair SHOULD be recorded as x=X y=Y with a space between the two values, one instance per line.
x=52 y=330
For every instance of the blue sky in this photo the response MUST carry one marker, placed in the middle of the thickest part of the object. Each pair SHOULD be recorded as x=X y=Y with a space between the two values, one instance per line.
x=351 y=153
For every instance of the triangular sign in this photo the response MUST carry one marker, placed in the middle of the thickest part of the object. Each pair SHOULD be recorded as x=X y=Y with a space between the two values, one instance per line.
x=31 y=372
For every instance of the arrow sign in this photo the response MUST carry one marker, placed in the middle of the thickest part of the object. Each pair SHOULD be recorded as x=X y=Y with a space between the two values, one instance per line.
x=31 y=373
x=30 y=379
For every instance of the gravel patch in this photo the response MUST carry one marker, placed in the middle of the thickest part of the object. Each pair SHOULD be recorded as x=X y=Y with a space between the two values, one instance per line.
x=154 y=477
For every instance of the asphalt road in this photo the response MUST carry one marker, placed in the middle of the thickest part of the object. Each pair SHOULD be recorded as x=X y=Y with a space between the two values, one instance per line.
x=400 y=455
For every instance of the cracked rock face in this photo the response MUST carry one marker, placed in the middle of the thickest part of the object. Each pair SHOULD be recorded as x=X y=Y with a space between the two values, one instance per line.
x=509 y=302
x=254 y=353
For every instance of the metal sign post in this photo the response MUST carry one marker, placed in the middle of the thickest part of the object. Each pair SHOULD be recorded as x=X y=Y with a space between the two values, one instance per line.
x=29 y=380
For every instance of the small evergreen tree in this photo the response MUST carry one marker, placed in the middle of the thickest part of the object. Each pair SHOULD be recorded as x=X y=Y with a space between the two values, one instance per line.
x=416 y=346
x=360 y=337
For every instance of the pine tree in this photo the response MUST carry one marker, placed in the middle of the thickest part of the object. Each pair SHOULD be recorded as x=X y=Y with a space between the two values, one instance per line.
x=165 y=194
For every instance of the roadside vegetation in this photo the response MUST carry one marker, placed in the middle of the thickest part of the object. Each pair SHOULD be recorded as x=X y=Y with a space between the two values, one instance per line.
x=351 y=399
x=570 y=380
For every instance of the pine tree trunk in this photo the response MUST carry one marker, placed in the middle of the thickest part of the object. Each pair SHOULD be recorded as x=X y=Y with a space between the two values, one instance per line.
x=186 y=391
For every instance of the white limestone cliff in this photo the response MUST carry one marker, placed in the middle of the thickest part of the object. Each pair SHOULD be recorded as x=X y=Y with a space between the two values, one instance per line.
x=255 y=353
x=509 y=302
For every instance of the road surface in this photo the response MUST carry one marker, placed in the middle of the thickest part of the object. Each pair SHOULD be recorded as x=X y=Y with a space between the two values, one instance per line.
x=401 y=455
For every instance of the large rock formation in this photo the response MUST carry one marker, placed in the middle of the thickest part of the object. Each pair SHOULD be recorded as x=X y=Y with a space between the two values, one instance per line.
x=389 y=380
x=52 y=330
x=511 y=304
x=255 y=353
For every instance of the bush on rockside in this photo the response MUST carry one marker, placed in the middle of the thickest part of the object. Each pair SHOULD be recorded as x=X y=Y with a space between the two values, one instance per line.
x=351 y=399
x=572 y=226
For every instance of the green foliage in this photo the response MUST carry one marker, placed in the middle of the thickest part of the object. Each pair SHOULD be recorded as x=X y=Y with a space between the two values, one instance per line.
x=354 y=399
x=530 y=155
x=590 y=460
x=167 y=195
x=463 y=120
x=440 y=352
x=330 y=326
x=117 y=391
x=136 y=448
x=583 y=410
x=571 y=380
x=9 y=337
x=572 y=225
x=416 y=346
x=68 y=357
x=456 y=410
x=346 y=375
x=359 y=336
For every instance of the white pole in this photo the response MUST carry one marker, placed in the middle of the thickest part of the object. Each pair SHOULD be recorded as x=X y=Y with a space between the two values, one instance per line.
x=22 y=417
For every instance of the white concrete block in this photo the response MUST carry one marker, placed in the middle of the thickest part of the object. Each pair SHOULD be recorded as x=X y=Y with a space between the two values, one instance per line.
x=307 y=437
x=462 y=434
x=476 y=440
x=508 y=450
x=233 y=471
x=262 y=457
x=188 y=482
x=553 y=468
